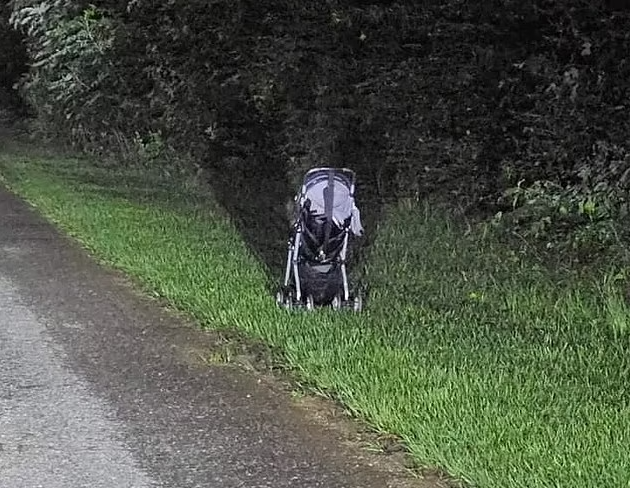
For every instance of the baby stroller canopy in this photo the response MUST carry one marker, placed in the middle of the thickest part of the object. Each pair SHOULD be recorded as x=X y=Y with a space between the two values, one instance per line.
x=330 y=193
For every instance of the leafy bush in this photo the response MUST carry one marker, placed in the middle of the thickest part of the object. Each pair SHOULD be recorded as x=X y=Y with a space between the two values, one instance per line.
x=585 y=217
x=69 y=45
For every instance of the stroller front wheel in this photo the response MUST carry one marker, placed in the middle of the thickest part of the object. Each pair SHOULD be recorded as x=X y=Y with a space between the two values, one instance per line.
x=284 y=299
x=280 y=298
x=310 y=303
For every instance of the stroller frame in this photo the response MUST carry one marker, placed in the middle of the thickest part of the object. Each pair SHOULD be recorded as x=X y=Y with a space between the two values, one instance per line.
x=286 y=296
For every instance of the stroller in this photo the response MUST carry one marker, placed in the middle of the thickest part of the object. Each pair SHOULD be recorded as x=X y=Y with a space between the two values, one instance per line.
x=324 y=216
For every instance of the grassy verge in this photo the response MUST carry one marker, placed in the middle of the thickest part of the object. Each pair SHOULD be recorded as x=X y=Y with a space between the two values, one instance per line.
x=498 y=371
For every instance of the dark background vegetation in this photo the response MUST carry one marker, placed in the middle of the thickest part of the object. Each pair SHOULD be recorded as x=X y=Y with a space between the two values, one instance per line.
x=13 y=59
x=516 y=109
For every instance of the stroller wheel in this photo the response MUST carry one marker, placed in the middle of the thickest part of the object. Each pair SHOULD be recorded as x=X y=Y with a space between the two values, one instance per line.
x=284 y=298
x=280 y=298
x=310 y=303
x=357 y=304
x=337 y=302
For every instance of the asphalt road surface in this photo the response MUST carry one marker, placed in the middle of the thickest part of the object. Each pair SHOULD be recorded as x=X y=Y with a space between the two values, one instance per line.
x=99 y=387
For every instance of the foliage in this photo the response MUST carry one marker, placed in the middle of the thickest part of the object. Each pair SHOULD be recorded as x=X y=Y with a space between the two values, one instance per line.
x=584 y=218
x=12 y=59
x=69 y=45
x=461 y=98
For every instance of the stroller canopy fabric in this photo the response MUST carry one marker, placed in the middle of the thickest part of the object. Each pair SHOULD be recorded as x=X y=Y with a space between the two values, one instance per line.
x=330 y=192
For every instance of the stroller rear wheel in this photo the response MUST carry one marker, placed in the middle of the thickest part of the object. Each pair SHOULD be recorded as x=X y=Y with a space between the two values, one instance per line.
x=337 y=302
x=310 y=303
x=357 y=304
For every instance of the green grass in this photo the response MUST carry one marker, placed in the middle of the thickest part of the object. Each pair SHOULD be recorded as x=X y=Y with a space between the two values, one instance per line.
x=500 y=372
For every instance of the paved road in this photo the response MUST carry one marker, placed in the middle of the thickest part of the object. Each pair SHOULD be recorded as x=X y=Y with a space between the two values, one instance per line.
x=100 y=388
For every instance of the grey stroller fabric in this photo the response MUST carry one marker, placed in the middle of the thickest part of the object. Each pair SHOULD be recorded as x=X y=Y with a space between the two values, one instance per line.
x=338 y=204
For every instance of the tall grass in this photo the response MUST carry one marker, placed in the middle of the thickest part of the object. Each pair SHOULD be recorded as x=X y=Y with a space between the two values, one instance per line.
x=497 y=370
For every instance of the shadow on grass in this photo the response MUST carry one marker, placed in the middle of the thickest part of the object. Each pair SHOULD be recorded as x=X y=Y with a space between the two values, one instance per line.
x=256 y=198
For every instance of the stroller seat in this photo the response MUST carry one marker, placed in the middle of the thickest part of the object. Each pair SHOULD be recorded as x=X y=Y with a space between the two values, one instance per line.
x=315 y=245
